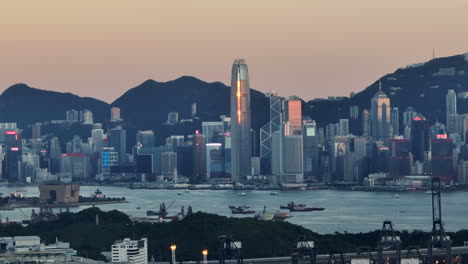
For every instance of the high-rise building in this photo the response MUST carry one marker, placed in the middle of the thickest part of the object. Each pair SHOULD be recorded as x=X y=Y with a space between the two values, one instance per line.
x=97 y=138
x=73 y=116
x=399 y=165
x=115 y=114
x=130 y=251
x=168 y=163
x=380 y=116
x=172 y=118
x=450 y=103
x=420 y=139
x=408 y=115
x=442 y=158
x=36 y=130
x=354 y=111
x=293 y=115
x=241 y=149
x=395 y=121
x=313 y=144
x=365 y=123
x=145 y=138
x=214 y=160
x=276 y=119
x=194 y=110
x=344 y=127
x=198 y=158
x=118 y=141
x=213 y=131
x=13 y=155
x=87 y=117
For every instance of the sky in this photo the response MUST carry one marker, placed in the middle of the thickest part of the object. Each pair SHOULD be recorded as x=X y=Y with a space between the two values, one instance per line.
x=310 y=48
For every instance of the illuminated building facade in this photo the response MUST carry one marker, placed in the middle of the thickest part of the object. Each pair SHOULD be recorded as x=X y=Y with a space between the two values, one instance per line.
x=380 y=116
x=241 y=151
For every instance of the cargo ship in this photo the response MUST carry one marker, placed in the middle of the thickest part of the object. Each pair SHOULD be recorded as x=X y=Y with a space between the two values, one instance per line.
x=300 y=207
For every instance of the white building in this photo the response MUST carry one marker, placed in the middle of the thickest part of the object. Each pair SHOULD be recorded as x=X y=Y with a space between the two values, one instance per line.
x=130 y=251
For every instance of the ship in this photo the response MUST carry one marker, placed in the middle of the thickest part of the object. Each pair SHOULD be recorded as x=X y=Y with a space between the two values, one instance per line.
x=281 y=216
x=264 y=215
x=300 y=207
x=244 y=209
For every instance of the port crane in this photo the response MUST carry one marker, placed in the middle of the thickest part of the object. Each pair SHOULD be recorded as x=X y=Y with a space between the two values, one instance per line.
x=304 y=249
x=438 y=239
x=336 y=257
x=388 y=241
x=230 y=249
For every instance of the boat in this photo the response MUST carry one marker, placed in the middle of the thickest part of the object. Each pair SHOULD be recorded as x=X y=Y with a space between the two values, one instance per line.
x=281 y=216
x=274 y=193
x=187 y=191
x=402 y=211
x=396 y=196
x=179 y=193
x=428 y=192
x=98 y=194
x=242 y=194
x=264 y=215
x=300 y=207
x=241 y=209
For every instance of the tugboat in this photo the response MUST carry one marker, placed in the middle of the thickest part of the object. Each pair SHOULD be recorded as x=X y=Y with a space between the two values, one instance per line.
x=274 y=193
x=264 y=215
x=98 y=194
x=281 y=216
x=300 y=207
x=244 y=209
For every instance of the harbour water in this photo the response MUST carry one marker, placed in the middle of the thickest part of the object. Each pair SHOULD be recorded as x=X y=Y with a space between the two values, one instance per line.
x=350 y=211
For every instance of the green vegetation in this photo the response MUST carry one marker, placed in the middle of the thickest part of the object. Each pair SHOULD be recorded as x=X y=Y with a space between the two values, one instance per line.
x=197 y=232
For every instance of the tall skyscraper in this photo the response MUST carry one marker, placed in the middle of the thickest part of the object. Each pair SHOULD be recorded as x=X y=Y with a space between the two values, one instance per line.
x=344 y=127
x=146 y=138
x=241 y=152
x=365 y=123
x=420 y=138
x=115 y=114
x=198 y=158
x=380 y=116
x=408 y=115
x=293 y=115
x=395 y=121
x=266 y=132
x=118 y=141
x=442 y=158
x=451 y=104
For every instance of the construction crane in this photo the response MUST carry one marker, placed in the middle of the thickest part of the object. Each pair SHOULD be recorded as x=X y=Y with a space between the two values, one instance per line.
x=304 y=249
x=388 y=241
x=438 y=238
x=229 y=249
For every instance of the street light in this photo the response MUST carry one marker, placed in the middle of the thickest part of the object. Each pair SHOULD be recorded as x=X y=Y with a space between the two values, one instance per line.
x=173 y=248
x=205 y=256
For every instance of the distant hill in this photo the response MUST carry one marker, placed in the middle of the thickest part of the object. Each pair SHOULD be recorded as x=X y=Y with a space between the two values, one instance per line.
x=25 y=105
x=422 y=86
x=146 y=106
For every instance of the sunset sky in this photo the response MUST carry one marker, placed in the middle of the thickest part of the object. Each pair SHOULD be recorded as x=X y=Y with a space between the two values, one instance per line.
x=310 y=48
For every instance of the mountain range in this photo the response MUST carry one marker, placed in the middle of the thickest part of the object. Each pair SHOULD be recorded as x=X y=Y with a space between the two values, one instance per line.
x=422 y=86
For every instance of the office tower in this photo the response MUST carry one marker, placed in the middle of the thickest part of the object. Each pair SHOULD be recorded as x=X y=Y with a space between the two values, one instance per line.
x=88 y=117
x=174 y=141
x=118 y=141
x=115 y=114
x=408 y=115
x=214 y=160
x=399 y=165
x=420 y=138
x=185 y=160
x=451 y=104
x=13 y=155
x=172 y=118
x=437 y=129
x=145 y=138
x=227 y=156
x=73 y=116
x=143 y=159
x=331 y=131
x=293 y=115
x=365 y=123
x=293 y=159
x=354 y=111
x=36 y=130
x=198 y=158
x=395 y=121
x=194 y=110
x=344 y=127
x=313 y=144
x=213 y=131
x=266 y=132
x=76 y=165
x=380 y=116
x=97 y=138
x=442 y=158
x=130 y=251
x=168 y=163
x=240 y=122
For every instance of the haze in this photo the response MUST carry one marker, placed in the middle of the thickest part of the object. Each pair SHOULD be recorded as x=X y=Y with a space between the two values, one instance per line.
x=307 y=48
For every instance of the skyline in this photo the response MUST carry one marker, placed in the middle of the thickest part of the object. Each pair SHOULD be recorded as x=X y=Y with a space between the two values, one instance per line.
x=294 y=49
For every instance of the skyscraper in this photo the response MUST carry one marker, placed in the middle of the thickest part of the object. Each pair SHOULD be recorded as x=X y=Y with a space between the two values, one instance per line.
x=380 y=116
x=293 y=115
x=365 y=123
x=266 y=132
x=241 y=152
x=115 y=114
x=420 y=138
x=451 y=104
x=395 y=121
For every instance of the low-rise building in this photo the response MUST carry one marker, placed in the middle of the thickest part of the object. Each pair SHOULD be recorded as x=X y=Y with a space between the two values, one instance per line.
x=130 y=251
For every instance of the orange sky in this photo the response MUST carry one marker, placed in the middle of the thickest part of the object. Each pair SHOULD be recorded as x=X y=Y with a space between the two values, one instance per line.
x=310 y=48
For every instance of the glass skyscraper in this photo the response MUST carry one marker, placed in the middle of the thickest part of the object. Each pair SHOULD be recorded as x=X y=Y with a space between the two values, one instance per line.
x=241 y=152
